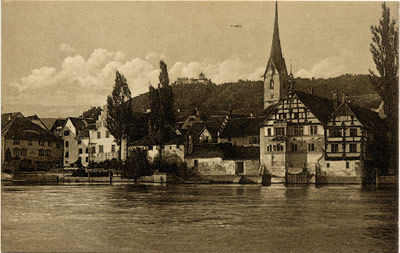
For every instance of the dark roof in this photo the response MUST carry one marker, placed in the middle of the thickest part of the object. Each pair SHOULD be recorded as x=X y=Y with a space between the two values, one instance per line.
x=368 y=118
x=35 y=119
x=86 y=131
x=370 y=101
x=58 y=123
x=145 y=141
x=80 y=124
x=319 y=106
x=226 y=151
x=241 y=127
x=23 y=129
x=6 y=118
x=212 y=126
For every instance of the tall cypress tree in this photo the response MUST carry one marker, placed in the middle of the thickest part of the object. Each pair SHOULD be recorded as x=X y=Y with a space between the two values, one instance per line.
x=162 y=109
x=384 y=49
x=118 y=113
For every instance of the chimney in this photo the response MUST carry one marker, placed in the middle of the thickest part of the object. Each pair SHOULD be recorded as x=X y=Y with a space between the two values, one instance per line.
x=310 y=90
x=344 y=96
x=335 y=99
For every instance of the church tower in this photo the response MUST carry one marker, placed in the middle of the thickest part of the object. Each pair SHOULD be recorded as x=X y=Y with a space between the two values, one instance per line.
x=275 y=76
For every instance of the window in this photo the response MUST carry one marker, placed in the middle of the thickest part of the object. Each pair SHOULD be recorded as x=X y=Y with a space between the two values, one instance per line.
x=66 y=132
x=335 y=132
x=41 y=152
x=107 y=134
x=30 y=142
x=41 y=143
x=67 y=154
x=87 y=150
x=66 y=144
x=279 y=131
x=347 y=165
x=255 y=140
x=353 y=132
x=268 y=148
x=46 y=152
x=93 y=150
x=293 y=147
x=328 y=165
x=196 y=163
x=298 y=130
x=79 y=142
x=80 y=151
x=353 y=148
x=334 y=148
x=311 y=147
x=272 y=96
x=279 y=147
x=271 y=84
x=87 y=159
x=296 y=115
x=113 y=148
x=16 y=152
x=269 y=132
x=98 y=135
x=16 y=141
x=284 y=115
x=313 y=129
x=101 y=149
x=274 y=147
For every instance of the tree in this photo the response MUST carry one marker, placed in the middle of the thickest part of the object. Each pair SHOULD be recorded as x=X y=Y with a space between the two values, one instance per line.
x=162 y=110
x=118 y=113
x=384 y=49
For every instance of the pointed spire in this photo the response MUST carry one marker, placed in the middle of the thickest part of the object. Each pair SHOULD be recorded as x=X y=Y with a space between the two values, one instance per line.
x=276 y=50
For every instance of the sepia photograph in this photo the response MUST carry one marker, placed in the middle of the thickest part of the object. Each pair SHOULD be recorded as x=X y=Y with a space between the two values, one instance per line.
x=199 y=126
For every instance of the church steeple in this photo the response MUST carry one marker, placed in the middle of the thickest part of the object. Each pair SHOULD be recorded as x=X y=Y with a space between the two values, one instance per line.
x=275 y=76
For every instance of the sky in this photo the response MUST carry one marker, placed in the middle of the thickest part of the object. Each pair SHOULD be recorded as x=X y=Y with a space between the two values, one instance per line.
x=59 y=58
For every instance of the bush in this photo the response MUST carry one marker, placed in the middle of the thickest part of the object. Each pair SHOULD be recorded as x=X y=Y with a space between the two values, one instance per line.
x=137 y=165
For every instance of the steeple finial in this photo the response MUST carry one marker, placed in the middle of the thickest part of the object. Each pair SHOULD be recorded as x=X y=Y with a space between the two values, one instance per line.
x=276 y=50
x=291 y=74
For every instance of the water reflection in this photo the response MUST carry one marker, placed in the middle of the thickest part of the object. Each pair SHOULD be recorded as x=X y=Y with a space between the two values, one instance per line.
x=208 y=218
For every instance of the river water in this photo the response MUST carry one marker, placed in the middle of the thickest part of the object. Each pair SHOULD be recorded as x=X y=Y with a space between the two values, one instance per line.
x=198 y=218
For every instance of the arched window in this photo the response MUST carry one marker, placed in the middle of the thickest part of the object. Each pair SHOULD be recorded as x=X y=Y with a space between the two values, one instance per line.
x=271 y=84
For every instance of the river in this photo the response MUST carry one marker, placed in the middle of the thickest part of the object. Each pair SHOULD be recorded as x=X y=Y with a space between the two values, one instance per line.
x=198 y=218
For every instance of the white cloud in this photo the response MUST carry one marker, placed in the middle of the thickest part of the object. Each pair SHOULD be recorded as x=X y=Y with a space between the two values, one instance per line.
x=66 y=48
x=329 y=67
x=230 y=70
x=87 y=81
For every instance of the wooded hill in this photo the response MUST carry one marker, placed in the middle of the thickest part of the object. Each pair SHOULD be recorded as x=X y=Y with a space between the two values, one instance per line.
x=247 y=96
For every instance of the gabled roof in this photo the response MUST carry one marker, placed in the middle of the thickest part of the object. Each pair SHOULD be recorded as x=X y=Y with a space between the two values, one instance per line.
x=79 y=124
x=319 y=106
x=242 y=127
x=58 y=123
x=35 y=119
x=85 y=133
x=367 y=117
x=49 y=122
x=212 y=127
x=6 y=118
x=23 y=129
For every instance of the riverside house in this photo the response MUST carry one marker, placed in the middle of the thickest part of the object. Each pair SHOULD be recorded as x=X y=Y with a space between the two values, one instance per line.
x=27 y=144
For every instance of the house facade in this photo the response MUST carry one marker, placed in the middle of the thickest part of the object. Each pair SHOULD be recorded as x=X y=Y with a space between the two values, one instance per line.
x=28 y=145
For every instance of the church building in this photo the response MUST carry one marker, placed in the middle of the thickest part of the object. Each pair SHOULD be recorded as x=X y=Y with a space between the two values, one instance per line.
x=315 y=138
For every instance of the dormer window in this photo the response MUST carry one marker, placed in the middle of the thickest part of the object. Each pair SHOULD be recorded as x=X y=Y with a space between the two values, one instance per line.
x=271 y=84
